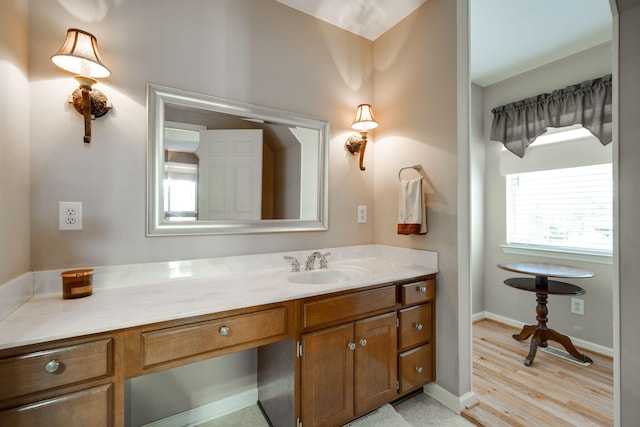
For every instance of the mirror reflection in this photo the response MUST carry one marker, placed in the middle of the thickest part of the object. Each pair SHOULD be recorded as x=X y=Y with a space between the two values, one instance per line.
x=223 y=166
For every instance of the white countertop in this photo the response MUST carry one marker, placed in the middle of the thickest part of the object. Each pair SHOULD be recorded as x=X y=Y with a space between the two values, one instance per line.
x=133 y=295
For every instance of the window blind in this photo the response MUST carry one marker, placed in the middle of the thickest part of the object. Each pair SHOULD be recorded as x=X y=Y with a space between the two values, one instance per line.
x=568 y=208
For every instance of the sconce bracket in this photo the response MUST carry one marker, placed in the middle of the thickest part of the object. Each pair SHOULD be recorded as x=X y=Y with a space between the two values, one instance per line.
x=100 y=105
x=353 y=144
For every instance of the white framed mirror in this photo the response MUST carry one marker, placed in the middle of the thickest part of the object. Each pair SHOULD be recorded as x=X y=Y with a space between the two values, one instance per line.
x=217 y=166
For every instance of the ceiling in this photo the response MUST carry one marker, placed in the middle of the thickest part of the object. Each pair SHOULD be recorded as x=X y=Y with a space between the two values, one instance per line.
x=367 y=18
x=507 y=37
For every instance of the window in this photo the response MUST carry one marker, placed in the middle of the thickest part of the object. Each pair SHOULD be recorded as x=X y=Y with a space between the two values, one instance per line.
x=567 y=208
x=180 y=191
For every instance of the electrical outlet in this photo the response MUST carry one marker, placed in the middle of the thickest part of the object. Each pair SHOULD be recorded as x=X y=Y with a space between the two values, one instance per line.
x=577 y=306
x=70 y=216
x=362 y=214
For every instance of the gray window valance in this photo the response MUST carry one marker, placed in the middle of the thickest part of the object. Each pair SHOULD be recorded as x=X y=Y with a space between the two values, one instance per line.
x=519 y=123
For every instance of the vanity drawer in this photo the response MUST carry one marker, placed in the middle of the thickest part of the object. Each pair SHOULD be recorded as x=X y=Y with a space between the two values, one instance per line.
x=183 y=341
x=347 y=306
x=415 y=368
x=415 y=325
x=417 y=292
x=91 y=407
x=56 y=367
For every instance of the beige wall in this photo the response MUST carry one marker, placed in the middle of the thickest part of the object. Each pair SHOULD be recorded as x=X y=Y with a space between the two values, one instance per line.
x=415 y=100
x=628 y=376
x=254 y=51
x=596 y=325
x=14 y=140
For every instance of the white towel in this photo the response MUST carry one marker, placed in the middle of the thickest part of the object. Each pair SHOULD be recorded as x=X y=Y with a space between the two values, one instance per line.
x=412 y=212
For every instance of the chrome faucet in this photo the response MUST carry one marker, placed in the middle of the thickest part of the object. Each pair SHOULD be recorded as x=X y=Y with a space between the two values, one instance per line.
x=311 y=259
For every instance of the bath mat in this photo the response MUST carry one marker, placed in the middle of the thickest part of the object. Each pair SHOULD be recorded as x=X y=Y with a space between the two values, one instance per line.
x=384 y=416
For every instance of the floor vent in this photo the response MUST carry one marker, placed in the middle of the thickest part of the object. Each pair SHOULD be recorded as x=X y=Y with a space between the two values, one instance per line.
x=564 y=355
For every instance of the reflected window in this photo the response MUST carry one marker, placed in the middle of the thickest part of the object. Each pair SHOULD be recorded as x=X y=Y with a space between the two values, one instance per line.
x=180 y=191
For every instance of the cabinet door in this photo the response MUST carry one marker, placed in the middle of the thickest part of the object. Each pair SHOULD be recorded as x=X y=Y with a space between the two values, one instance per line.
x=375 y=362
x=327 y=376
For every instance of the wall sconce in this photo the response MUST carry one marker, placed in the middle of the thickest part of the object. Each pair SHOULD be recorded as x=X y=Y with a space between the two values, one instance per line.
x=363 y=122
x=79 y=55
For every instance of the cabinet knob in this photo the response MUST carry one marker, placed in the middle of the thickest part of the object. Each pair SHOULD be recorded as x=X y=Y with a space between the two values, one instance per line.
x=52 y=366
x=352 y=346
x=224 y=330
x=363 y=342
x=419 y=369
x=422 y=289
x=418 y=326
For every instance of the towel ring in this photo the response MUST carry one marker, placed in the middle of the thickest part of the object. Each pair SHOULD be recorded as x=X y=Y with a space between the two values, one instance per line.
x=416 y=167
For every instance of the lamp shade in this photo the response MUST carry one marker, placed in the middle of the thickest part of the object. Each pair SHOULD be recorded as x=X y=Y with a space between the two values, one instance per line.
x=79 y=55
x=364 y=120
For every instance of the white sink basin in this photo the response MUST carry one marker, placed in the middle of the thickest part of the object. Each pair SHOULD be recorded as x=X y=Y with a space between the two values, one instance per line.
x=327 y=276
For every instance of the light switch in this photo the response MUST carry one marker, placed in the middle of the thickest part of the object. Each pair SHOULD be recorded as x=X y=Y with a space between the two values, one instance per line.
x=362 y=214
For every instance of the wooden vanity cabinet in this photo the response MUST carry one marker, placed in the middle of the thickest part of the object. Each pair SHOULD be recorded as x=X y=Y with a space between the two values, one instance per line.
x=68 y=383
x=348 y=358
x=356 y=351
x=348 y=370
x=416 y=335
x=364 y=349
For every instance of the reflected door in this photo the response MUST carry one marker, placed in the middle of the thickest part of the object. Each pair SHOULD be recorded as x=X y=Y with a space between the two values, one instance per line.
x=230 y=174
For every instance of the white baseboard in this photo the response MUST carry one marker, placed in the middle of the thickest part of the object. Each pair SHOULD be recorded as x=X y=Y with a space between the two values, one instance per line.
x=596 y=348
x=448 y=399
x=479 y=316
x=210 y=411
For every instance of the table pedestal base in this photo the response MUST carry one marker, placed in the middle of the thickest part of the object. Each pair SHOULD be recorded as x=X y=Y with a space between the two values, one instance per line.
x=540 y=334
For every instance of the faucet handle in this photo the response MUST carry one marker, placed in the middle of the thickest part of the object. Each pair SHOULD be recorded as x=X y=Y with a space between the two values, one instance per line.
x=323 y=260
x=295 y=265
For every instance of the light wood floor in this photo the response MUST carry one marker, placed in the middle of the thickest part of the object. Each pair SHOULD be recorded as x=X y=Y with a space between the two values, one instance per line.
x=550 y=392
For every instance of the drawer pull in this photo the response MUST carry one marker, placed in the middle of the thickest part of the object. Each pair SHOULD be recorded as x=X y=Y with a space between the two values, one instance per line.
x=418 y=326
x=419 y=369
x=363 y=342
x=352 y=346
x=52 y=366
x=224 y=330
x=422 y=289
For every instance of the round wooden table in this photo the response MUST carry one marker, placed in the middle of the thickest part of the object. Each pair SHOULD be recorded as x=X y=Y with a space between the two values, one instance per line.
x=543 y=287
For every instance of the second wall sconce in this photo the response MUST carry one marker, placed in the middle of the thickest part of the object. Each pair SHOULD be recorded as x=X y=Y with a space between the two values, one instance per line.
x=79 y=55
x=363 y=122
